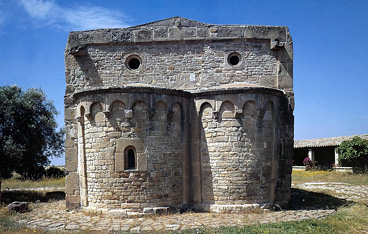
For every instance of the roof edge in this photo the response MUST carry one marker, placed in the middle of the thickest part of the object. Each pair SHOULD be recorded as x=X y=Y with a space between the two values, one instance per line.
x=177 y=29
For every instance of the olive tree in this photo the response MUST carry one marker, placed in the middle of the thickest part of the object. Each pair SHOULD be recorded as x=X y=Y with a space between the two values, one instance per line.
x=28 y=132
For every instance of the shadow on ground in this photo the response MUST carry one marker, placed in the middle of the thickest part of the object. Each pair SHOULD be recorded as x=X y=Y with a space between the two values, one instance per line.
x=300 y=199
x=32 y=196
x=306 y=200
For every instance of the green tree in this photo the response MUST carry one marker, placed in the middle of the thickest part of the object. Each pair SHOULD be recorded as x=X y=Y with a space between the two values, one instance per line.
x=355 y=151
x=28 y=132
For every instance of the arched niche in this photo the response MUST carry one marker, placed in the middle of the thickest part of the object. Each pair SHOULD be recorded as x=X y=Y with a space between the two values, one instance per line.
x=117 y=109
x=250 y=110
x=140 y=110
x=81 y=114
x=206 y=111
x=97 y=112
x=227 y=110
x=160 y=109
x=177 y=112
x=249 y=117
x=269 y=111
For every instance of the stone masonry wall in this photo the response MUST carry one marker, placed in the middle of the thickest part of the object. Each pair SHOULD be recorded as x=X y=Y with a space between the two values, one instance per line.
x=178 y=112
x=155 y=129
x=240 y=140
x=187 y=66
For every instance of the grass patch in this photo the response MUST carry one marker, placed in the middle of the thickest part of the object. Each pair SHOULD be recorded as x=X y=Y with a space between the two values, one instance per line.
x=302 y=176
x=7 y=225
x=14 y=183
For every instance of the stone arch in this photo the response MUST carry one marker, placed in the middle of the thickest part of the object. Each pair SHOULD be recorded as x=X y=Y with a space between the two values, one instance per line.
x=82 y=111
x=175 y=120
x=130 y=158
x=97 y=112
x=250 y=109
x=122 y=147
x=117 y=109
x=227 y=110
x=160 y=105
x=206 y=110
x=177 y=112
x=160 y=111
x=269 y=111
x=140 y=110
x=249 y=118
x=207 y=125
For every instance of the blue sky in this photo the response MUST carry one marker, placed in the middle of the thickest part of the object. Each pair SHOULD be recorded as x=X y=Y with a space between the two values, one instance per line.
x=330 y=48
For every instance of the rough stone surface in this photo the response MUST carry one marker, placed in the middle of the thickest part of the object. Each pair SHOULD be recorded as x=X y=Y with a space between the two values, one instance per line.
x=53 y=216
x=18 y=206
x=176 y=113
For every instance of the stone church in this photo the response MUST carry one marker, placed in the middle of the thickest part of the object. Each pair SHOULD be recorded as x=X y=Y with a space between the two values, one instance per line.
x=179 y=113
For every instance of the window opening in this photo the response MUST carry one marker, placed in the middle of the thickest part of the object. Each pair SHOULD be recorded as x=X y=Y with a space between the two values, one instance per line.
x=130 y=159
x=133 y=62
x=234 y=58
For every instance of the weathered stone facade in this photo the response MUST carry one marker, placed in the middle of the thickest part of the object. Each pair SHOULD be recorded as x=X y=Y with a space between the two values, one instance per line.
x=178 y=112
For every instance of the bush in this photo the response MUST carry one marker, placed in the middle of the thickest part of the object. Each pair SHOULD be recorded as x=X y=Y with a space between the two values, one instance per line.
x=54 y=172
x=355 y=151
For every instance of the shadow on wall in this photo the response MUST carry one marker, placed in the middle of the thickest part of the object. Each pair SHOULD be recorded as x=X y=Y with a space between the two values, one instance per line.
x=236 y=149
x=207 y=178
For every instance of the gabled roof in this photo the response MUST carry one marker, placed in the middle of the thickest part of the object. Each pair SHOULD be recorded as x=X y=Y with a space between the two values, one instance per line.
x=177 y=20
x=178 y=29
x=325 y=142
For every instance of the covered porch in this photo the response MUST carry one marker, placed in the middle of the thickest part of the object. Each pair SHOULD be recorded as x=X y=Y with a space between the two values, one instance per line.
x=322 y=152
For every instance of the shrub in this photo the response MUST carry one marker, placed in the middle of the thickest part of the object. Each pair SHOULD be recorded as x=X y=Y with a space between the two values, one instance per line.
x=54 y=172
x=355 y=151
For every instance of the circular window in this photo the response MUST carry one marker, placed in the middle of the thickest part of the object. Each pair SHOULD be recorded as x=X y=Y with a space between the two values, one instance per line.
x=234 y=59
x=133 y=62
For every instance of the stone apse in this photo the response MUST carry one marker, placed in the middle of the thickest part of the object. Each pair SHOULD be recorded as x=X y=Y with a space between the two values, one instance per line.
x=179 y=113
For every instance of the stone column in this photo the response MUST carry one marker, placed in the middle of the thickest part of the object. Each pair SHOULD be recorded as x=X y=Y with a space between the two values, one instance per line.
x=336 y=157
x=311 y=154
x=82 y=170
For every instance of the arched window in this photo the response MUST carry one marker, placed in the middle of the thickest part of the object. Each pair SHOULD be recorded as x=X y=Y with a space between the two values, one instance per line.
x=130 y=158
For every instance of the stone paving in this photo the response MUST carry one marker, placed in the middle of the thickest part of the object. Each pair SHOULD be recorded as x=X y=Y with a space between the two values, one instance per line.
x=53 y=215
x=350 y=192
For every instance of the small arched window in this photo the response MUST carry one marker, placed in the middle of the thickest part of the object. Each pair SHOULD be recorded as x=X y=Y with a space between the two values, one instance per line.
x=130 y=158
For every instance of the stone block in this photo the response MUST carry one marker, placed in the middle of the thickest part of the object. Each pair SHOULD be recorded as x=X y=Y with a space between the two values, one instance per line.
x=71 y=183
x=69 y=114
x=72 y=201
x=71 y=159
x=119 y=162
x=137 y=143
x=143 y=35
x=160 y=33
x=141 y=162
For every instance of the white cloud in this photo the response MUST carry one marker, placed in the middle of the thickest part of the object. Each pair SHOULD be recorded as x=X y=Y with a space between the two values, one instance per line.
x=94 y=17
x=38 y=8
x=3 y=13
x=47 y=12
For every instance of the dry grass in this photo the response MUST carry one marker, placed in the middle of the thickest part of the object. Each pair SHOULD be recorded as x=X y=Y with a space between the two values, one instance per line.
x=14 y=183
x=302 y=176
